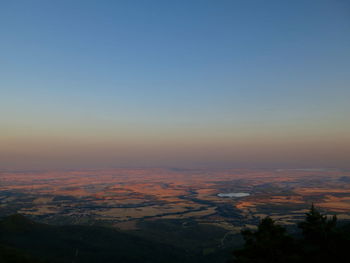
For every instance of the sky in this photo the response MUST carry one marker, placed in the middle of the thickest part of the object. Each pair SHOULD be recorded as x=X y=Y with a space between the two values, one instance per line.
x=187 y=83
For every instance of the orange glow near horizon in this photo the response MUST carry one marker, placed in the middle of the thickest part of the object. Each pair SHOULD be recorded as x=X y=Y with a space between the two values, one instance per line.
x=147 y=150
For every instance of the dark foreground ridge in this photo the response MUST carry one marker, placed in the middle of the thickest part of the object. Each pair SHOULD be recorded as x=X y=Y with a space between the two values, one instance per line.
x=23 y=240
x=316 y=239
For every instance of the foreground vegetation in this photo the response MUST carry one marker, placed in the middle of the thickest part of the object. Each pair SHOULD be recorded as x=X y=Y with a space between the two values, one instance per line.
x=319 y=240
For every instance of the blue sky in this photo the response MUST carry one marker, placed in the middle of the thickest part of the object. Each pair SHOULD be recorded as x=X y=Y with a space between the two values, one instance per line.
x=217 y=70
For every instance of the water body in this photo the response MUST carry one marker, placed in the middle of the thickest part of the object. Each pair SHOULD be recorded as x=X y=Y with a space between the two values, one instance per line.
x=233 y=194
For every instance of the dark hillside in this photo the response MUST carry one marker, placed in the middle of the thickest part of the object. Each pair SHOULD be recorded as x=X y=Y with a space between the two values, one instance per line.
x=81 y=244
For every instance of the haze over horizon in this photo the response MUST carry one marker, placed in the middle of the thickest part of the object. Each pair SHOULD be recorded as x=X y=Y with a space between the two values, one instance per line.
x=249 y=84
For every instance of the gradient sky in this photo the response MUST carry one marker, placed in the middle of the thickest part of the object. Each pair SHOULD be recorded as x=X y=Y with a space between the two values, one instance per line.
x=174 y=83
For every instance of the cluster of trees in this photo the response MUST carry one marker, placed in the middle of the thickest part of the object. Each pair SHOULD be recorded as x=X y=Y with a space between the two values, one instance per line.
x=319 y=240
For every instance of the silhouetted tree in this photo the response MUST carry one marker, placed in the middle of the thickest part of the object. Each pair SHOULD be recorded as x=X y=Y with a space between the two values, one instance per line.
x=317 y=228
x=321 y=241
x=270 y=243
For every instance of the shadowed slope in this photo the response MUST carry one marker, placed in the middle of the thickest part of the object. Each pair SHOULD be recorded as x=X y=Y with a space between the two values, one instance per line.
x=83 y=243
